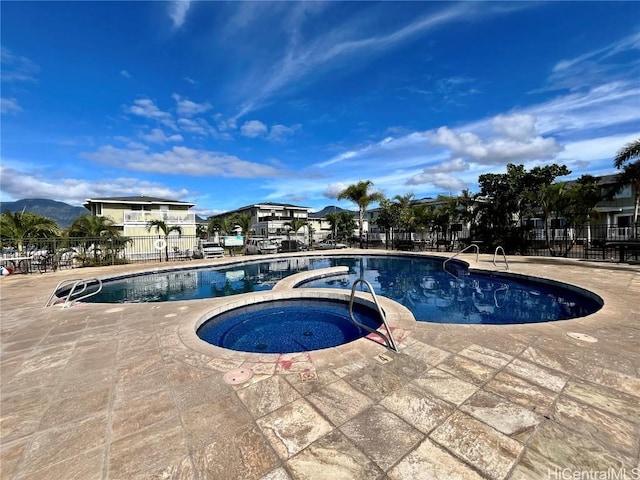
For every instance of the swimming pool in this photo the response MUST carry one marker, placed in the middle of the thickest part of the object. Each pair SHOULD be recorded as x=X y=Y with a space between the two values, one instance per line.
x=462 y=296
x=287 y=326
x=419 y=283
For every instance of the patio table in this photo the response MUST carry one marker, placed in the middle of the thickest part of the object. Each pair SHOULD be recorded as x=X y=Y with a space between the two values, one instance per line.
x=17 y=264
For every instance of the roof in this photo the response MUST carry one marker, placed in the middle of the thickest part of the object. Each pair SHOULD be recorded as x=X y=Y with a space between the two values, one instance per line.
x=259 y=205
x=137 y=199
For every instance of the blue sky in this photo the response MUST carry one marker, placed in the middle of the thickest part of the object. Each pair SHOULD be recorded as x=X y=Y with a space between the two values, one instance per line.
x=228 y=104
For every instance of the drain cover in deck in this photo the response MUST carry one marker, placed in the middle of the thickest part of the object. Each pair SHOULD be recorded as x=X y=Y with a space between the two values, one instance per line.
x=237 y=376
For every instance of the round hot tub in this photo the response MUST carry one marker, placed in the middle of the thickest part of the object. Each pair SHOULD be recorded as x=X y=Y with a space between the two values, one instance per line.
x=288 y=325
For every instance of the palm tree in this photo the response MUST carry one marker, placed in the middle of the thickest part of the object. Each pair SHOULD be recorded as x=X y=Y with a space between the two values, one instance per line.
x=19 y=226
x=95 y=229
x=333 y=218
x=162 y=226
x=224 y=225
x=406 y=222
x=467 y=210
x=359 y=194
x=244 y=222
x=295 y=224
x=630 y=174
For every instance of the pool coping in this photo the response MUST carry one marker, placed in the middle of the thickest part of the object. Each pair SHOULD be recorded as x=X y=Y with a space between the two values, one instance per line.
x=399 y=318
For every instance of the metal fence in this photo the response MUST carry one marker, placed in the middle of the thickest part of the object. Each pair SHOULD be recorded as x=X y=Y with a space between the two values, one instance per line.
x=42 y=253
x=594 y=242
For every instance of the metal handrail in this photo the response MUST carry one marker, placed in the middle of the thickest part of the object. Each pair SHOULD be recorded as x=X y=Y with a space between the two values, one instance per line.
x=57 y=287
x=458 y=253
x=72 y=291
x=85 y=283
x=462 y=251
x=504 y=256
x=389 y=340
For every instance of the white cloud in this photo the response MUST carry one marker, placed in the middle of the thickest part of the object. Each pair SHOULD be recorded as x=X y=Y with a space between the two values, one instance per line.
x=16 y=182
x=146 y=108
x=253 y=128
x=188 y=108
x=516 y=126
x=281 y=133
x=9 y=105
x=342 y=43
x=125 y=74
x=334 y=189
x=191 y=81
x=223 y=124
x=16 y=68
x=604 y=147
x=182 y=161
x=440 y=176
x=517 y=142
x=197 y=126
x=158 y=136
x=178 y=12
x=613 y=104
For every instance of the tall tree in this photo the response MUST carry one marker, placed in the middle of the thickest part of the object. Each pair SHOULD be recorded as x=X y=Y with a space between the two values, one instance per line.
x=295 y=224
x=244 y=222
x=346 y=224
x=467 y=210
x=406 y=221
x=630 y=174
x=223 y=224
x=20 y=226
x=95 y=230
x=388 y=218
x=333 y=218
x=507 y=199
x=166 y=229
x=359 y=194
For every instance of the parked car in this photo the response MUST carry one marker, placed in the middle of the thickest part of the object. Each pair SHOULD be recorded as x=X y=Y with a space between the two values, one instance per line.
x=330 y=245
x=259 y=245
x=206 y=249
x=292 y=246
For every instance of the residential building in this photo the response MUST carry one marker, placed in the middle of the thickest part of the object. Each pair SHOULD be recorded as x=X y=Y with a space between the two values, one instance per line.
x=269 y=219
x=132 y=215
x=616 y=213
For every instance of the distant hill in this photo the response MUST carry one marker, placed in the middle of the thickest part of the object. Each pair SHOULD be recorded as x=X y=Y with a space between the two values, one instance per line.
x=329 y=209
x=62 y=213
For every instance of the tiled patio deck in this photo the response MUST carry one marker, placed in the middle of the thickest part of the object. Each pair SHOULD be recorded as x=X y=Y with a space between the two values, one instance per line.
x=124 y=391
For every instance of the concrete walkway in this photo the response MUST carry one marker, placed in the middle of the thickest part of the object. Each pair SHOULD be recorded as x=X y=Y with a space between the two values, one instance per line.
x=101 y=391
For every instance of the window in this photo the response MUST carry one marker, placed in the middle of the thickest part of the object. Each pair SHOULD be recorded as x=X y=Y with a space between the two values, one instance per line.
x=534 y=223
x=557 y=222
x=624 y=221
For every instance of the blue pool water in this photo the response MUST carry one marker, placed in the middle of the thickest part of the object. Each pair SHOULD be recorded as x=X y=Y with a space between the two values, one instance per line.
x=458 y=296
x=418 y=283
x=287 y=326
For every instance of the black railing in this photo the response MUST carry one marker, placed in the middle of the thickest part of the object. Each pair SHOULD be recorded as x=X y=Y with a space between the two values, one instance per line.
x=85 y=252
x=595 y=242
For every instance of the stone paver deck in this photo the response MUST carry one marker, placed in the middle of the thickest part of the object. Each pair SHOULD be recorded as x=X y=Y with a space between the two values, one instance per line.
x=101 y=391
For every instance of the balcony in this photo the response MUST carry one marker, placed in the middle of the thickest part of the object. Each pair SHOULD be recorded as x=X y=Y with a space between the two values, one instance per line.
x=132 y=217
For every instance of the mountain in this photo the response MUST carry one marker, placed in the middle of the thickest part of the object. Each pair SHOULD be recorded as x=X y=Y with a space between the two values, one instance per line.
x=329 y=209
x=61 y=212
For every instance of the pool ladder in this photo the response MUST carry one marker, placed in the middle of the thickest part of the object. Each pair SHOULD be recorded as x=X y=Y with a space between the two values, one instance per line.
x=76 y=283
x=473 y=245
x=388 y=338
